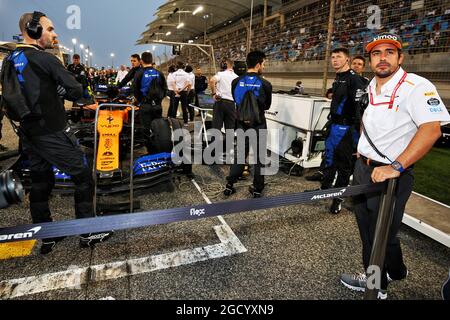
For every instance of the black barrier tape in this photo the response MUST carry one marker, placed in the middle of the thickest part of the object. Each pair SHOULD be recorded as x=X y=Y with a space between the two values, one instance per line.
x=148 y=218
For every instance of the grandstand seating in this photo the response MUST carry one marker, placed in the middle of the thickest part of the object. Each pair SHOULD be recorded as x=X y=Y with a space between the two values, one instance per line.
x=303 y=36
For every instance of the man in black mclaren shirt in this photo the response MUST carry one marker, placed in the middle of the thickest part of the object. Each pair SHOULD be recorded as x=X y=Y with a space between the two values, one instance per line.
x=44 y=134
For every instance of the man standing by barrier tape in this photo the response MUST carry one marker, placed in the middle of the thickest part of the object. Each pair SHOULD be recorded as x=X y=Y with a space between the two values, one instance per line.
x=45 y=135
x=342 y=135
x=400 y=125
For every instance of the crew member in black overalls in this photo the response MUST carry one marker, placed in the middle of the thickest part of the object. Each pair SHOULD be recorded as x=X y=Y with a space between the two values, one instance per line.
x=262 y=89
x=44 y=134
x=343 y=114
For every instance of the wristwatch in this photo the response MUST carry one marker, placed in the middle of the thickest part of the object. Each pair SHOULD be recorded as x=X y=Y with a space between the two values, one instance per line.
x=397 y=166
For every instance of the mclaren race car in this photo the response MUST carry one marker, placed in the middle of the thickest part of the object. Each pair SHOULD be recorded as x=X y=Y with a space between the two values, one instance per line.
x=125 y=157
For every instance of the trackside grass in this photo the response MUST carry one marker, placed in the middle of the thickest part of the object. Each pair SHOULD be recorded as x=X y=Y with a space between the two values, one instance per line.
x=432 y=175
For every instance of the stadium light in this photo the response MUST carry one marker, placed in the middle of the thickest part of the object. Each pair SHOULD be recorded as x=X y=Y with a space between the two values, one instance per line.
x=154 y=48
x=82 y=46
x=74 y=42
x=199 y=9
x=181 y=25
x=168 y=33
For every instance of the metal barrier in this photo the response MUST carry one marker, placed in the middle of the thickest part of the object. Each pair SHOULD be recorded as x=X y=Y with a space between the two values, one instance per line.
x=384 y=221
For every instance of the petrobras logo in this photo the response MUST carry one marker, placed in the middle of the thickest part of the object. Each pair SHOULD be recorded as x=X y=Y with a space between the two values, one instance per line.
x=197 y=212
x=29 y=234
x=329 y=195
x=386 y=37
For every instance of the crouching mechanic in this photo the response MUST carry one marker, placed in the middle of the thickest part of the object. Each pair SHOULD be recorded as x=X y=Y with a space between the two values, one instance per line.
x=400 y=125
x=44 y=133
x=150 y=87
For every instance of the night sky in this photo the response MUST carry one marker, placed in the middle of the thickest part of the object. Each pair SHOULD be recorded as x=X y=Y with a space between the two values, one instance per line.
x=107 y=26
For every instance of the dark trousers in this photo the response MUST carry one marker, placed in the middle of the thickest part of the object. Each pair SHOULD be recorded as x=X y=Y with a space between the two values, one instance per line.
x=149 y=112
x=191 y=99
x=366 y=208
x=1 y=122
x=171 y=96
x=184 y=105
x=236 y=169
x=61 y=150
x=224 y=113
x=338 y=156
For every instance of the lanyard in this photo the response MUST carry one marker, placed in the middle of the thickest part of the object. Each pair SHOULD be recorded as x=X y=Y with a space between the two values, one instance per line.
x=391 y=100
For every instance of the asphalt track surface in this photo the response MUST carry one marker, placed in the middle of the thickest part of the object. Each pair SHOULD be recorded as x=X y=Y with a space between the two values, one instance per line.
x=294 y=252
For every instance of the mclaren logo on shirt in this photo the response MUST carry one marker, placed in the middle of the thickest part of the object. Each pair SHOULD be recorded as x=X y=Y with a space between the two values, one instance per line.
x=272 y=113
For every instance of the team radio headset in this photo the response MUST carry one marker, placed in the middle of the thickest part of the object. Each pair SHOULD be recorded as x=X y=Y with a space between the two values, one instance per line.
x=34 y=28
